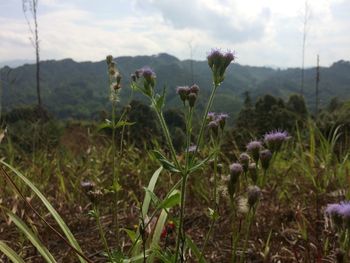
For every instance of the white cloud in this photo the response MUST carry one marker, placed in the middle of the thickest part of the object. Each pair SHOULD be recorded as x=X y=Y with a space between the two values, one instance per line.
x=262 y=32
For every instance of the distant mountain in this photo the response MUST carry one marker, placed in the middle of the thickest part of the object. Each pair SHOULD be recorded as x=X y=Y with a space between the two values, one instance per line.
x=15 y=63
x=80 y=90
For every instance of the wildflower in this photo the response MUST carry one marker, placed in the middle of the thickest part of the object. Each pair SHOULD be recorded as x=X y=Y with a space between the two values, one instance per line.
x=221 y=118
x=236 y=170
x=211 y=116
x=192 y=97
x=149 y=79
x=214 y=127
x=275 y=139
x=254 y=194
x=254 y=148
x=183 y=92
x=244 y=161
x=194 y=89
x=340 y=213
x=265 y=157
x=218 y=62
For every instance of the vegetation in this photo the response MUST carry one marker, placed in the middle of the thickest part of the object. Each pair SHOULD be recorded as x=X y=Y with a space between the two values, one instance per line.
x=154 y=184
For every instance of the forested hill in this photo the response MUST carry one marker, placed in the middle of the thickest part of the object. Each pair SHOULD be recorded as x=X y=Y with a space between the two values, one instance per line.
x=80 y=90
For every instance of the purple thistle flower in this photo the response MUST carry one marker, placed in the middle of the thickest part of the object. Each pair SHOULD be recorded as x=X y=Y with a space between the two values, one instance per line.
x=275 y=139
x=221 y=118
x=148 y=74
x=211 y=116
x=214 y=57
x=254 y=194
x=244 y=161
x=214 y=127
x=218 y=62
x=236 y=169
x=254 y=148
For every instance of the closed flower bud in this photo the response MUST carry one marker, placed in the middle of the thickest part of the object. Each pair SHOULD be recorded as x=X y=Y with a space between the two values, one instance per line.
x=118 y=78
x=194 y=89
x=214 y=127
x=133 y=77
x=244 y=161
x=265 y=157
x=235 y=171
x=254 y=194
x=192 y=97
x=109 y=59
x=183 y=92
x=254 y=148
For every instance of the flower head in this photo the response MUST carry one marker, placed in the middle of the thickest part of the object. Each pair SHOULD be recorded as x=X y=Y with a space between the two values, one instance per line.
x=254 y=148
x=221 y=119
x=149 y=78
x=275 y=139
x=244 y=161
x=265 y=157
x=254 y=194
x=183 y=92
x=235 y=171
x=218 y=62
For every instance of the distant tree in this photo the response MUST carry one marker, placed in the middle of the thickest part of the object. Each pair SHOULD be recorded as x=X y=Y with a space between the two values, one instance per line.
x=30 y=8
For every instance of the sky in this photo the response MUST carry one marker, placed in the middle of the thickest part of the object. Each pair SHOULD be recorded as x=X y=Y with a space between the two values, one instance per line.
x=261 y=32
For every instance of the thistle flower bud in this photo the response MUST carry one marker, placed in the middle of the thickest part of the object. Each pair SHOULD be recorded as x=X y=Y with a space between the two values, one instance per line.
x=235 y=171
x=192 y=97
x=221 y=118
x=265 y=157
x=109 y=59
x=214 y=127
x=133 y=77
x=118 y=79
x=254 y=194
x=254 y=148
x=244 y=161
x=194 y=89
x=183 y=92
x=253 y=172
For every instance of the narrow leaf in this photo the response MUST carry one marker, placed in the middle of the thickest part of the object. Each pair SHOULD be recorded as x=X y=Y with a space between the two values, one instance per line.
x=10 y=253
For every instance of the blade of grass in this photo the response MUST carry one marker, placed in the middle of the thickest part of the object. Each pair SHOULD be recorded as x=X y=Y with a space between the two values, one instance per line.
x=71 y=240
x=44 y=252
x=10 y=253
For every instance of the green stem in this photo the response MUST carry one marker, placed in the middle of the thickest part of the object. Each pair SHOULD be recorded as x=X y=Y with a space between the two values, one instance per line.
x=204 y=118
x=166 y=134
x=251 y=215
x=207 y=239
x=181 y=234
x=102 y=235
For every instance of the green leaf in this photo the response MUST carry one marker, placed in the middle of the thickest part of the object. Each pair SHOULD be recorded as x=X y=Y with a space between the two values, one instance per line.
x=195 y=249
x=160 y=100
x=167 y=165
x=10 y=253
x=49 y=207
x=145 y=205
x=132 y=234
x=171 y=201
x=104 y=125
x=124 y=123
x=32 y=238
x=153 y=196
x=198 y=165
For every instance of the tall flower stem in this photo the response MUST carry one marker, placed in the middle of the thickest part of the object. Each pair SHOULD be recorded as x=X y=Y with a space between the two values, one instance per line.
x=251 y=215
x=102 y=235
x=166 y=133
x=115 y=175
x=204 y=118
x=181 y=233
